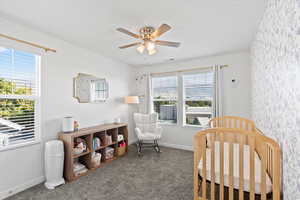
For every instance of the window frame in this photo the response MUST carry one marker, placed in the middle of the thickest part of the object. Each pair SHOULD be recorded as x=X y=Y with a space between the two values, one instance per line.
x=184 y=124
x=177 y=100
x=181 y=113
x=36 y=98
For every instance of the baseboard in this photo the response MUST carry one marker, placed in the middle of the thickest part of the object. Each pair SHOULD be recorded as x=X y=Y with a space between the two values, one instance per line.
x=22 y=187
x=132 y=142
x=177 y=146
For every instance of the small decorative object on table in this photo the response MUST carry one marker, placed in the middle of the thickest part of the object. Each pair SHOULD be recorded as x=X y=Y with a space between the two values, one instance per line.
x=76 y=126
x=117 y=120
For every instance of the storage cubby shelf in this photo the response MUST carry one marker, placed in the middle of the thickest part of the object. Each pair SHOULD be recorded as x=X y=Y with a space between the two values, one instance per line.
x=81 y=154
x=85 y=158
x=103 y=147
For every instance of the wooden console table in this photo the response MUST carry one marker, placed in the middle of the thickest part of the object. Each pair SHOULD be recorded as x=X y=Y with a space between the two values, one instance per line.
x=86 y=157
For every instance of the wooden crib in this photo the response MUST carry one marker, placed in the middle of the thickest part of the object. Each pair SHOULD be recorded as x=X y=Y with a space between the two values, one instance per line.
x=243 y=161
x=232 y=122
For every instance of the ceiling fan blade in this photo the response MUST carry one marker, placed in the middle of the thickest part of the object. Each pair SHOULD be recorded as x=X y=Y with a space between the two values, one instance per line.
x=130 y=45
x=122 y=30
x=167 y=43
x=161 y=30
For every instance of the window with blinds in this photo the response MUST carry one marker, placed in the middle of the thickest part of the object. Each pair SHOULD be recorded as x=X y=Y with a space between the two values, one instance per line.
x=19 y=95
x=198 y=97
x=165 y=96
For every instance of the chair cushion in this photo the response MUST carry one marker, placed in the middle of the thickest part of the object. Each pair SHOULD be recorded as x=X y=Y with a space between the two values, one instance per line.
x=149 y=136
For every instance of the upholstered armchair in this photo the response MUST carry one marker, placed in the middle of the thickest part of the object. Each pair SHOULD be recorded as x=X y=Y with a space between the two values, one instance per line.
x=147 y=131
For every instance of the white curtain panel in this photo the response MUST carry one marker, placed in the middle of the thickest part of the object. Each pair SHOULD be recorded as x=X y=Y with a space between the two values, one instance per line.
x=143 y=87
x=149 y=95
x=218 y=110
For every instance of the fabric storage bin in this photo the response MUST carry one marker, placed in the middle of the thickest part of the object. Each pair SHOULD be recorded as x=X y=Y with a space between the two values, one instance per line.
x=109 y=153
x=121 y=150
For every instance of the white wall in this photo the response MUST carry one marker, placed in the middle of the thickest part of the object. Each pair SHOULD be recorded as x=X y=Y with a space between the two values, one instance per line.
x=23 y=167
x=236 y=100
x=275 y=88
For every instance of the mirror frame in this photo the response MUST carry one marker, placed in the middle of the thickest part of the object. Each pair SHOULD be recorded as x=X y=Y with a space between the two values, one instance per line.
x=75 y=88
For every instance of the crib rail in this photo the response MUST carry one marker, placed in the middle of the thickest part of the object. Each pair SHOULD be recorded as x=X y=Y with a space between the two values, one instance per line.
x=266 y=149
x=232 y=122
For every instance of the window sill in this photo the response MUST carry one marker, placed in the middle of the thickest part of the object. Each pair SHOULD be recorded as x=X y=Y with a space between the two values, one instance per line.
x=193 y=126
x=166 y=124
x=18 y=145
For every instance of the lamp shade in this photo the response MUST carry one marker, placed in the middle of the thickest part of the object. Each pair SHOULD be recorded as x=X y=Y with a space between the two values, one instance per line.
x=132 y=100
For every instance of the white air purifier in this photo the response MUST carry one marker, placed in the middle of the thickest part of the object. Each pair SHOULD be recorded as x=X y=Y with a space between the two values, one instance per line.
x=54 y=164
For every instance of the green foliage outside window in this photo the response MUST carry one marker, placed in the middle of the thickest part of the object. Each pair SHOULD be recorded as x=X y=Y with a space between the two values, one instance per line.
x=199 y=103
x=13 y=107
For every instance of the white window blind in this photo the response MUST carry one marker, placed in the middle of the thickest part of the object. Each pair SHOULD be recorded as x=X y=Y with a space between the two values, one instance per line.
x=165 y=97
x=19 y=94
x=198 y=97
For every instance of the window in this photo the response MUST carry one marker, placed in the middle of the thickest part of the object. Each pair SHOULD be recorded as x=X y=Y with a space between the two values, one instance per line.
x=19 y=95
x=164 y=95
x=194 y=92
x=198 y=98
x=99 y=90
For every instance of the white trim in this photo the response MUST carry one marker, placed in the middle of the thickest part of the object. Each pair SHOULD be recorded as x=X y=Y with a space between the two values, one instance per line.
x=37 y=106
x=19 y=145
x=167 y=124
x=132 y=142
x=22 y=187
x=177 y=146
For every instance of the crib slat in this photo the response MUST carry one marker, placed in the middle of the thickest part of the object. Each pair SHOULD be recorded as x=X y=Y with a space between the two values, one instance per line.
x=252 y=169
x=231 y=161
x=203 y=147
x=241 y=167
x=196 y=161
x=263 y=172
x=276 y=174
x=221 y=166
x=212 y=167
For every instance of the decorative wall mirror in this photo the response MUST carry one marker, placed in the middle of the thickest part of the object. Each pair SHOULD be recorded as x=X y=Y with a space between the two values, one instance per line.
x=90 y=89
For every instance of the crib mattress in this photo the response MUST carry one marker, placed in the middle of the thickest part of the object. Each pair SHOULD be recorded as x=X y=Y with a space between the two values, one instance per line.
x=235 y=168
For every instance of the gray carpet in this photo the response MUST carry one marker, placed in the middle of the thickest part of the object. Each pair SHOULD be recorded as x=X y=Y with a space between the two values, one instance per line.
x=153 y=176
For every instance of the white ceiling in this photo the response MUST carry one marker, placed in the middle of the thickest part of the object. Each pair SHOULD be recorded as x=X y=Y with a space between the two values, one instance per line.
x=203 y=27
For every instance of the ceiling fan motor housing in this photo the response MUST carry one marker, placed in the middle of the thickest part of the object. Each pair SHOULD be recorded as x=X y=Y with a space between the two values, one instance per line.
x=146 y=32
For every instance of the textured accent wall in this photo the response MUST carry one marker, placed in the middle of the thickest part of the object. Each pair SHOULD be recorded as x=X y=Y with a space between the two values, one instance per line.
x=276 y=85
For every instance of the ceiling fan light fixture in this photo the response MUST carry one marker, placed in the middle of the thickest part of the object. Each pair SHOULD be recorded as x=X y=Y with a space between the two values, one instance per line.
x=150 y=45
x=141 y=49
x=152 y=51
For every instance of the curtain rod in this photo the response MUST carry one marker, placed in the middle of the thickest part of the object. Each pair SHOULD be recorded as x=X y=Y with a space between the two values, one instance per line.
x=28 y=43
x=187 y=70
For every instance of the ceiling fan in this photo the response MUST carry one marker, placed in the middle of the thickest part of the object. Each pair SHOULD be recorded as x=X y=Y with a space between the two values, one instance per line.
x=148 y=35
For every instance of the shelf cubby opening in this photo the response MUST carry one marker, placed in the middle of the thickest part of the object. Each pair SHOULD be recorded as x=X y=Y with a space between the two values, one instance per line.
x=101 y=136
x=84 y=160
x=113 y=133
x=86 y=141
